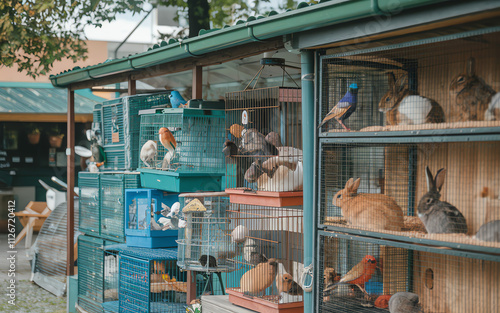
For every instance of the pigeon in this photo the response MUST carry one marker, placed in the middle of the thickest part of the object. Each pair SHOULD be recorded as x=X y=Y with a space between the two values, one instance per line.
x=148 y=152
x=344 y=108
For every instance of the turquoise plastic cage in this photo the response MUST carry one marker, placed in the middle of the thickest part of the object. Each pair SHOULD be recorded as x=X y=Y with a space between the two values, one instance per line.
x=198 y=162
x=138 y=206
x=98 y=272
x=120 y=127
x=112 y=210
x=89 y=197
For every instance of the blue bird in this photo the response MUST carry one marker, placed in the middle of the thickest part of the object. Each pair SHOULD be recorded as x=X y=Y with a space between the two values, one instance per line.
x=176 y=99
x=344 y=108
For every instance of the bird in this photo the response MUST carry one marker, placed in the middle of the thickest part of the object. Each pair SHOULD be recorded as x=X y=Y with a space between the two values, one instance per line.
x=239 y=234
x=148 y=152
x=283 y=179
x=212 y=262
x=330 y=279
x=132 y=213
x=230 y=149
x=344 y=108
x=168 y=141
x=287 y=156
x=236 y=130
x=176 y=99
x=359 y=274
x=286 y=284
x=251 y=252
x=255 y=144
x=259 y=278
x=404 y=302
x=98 y=154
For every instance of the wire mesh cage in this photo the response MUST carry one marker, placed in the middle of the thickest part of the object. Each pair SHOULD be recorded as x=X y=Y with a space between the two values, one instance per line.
x=89 y=199
x=366 y=276
x=205 y=243
x=98 y=270
x=150 y=281
x=435 y=191
x=112 y=208
x=269 y=258
x=264 y=132
x=121 y=124
x=436 y=83
x=181 y=150
x=147 y=220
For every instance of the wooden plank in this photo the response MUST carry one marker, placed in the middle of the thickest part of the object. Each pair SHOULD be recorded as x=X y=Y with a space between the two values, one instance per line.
x=132 y=90
x=197 y=89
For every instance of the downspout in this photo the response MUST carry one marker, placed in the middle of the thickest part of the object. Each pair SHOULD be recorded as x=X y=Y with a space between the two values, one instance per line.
x=307 y=61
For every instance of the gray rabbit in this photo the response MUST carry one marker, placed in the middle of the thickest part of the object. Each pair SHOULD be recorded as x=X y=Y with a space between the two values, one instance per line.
x=439 y=216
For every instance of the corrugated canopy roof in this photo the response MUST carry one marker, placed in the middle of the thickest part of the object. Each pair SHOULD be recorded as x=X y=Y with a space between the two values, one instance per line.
x=43 y=98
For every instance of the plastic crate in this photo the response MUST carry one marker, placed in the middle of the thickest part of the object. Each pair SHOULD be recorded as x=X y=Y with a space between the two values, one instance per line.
x=89 y=197
x=150 y=281
x=112 y=210
x=200 y=137
x=97 y=273
x=121 y=122
x=138 y=206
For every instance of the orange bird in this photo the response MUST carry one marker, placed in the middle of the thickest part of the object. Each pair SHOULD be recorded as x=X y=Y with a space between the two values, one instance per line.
x=168 y=141
x=359 y=274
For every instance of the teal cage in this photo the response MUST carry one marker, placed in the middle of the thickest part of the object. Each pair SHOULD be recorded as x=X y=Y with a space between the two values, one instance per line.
x=98 y=270
x=198 y=161
x=89 y=189
x=120 y=128
x=150 y=281
x=141 y=207
x=97 y=119
x=112 y=205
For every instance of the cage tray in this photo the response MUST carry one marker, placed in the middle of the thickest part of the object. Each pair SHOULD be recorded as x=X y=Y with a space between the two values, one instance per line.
x=262 y=305
x=180 y=182
x=264 y=198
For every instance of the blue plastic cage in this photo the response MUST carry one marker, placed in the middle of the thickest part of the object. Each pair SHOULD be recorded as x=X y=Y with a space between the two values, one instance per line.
x=141 y=205
x=98 y=270
x=120 y=127
x=112 y=209
x=198 y=161
x=89 y=197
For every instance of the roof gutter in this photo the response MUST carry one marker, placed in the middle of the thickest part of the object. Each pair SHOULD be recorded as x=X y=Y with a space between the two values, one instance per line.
x=302 y=19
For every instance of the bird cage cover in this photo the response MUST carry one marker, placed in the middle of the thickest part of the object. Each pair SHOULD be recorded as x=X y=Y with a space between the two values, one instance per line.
x=360 y=274
x=264 y=139
x=205 y=244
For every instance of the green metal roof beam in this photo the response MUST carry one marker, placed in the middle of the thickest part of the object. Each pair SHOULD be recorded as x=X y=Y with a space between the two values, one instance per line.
x=305 y=18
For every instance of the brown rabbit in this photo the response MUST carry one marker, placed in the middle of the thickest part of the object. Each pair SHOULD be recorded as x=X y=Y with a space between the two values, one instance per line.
x=405 y=107
x=368 y=210
x=471 y=94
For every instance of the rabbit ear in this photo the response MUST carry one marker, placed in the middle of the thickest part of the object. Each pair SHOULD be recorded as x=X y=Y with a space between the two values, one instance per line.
x=391 y=80
x=355 y=186
x=401 y=83
x=349 y=184
x=471 y=66
x=440 y=175
x=430 y=179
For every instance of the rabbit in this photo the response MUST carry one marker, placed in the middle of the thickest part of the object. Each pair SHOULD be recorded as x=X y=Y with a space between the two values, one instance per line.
x=405 y=107
x=493 y=111
x=489 y=231
x=439 y=216
x=368 y=210
x=471 y=94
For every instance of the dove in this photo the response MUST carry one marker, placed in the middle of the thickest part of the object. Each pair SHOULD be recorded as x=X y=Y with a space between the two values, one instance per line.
x=148 y=152
x=344 y=108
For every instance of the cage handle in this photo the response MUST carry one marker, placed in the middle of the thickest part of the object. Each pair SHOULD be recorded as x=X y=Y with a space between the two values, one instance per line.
x=307 y=271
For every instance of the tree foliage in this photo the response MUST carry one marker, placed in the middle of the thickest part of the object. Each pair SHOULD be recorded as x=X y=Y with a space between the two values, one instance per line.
x=36 y=33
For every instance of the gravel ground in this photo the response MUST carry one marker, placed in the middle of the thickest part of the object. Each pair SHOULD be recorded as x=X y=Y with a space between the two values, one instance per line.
x=30 y=298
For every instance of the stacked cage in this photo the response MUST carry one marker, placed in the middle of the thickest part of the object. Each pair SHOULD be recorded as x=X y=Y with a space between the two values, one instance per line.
x=89 y=199
x=361 y=274
x=97 y=275
x=150 y=281
x=120 y=128
x=205 y=243
x=264 y=132
x=408 y=153
x=150 y=218
x=269 y=257
x=181 y=149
